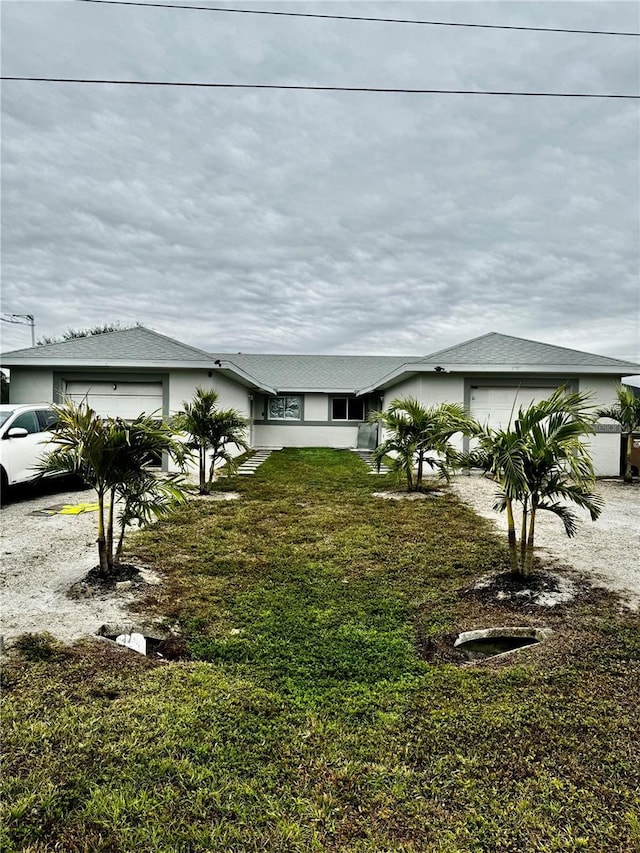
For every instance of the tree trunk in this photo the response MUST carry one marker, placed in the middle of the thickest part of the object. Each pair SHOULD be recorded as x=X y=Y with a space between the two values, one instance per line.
x=212 y=467
x=528 y=561
x=523 y=536
x=120 y=546
x=110 y=516
x=511 y=537
x=102 y=544
x=409 y=464
x=420 y=470
x=628 y=478
x=203 y=468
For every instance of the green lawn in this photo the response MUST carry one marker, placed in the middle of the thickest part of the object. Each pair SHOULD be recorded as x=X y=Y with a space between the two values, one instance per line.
x=320 y=706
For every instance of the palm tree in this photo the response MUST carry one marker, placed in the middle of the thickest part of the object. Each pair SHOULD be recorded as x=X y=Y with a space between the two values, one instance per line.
x=212 y=431
x=539 y=462
x=145 y=498
x=112 y=456
x=415 y=431
x=627 y=413
x=227 y=427
x=500 y=454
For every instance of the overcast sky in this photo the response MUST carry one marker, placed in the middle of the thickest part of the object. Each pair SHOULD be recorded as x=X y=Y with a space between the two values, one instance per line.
x=321 y=222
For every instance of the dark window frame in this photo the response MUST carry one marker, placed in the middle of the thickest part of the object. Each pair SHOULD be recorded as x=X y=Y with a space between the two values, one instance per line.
x=349 y=404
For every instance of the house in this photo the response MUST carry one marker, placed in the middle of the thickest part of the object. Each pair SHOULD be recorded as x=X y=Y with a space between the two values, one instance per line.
x=315 y=400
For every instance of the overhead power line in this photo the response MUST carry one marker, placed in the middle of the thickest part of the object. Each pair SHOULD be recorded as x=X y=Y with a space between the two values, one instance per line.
x=19 y=319
x=302 y=88
x=359 y=18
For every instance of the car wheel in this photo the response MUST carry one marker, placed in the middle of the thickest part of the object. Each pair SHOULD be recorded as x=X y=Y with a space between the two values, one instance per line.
x=4 y=487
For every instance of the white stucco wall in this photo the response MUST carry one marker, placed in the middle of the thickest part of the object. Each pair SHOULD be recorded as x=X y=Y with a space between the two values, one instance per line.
x=316 y=407
x=604 y=447
x=601 y=388
x=408 y=388
x=183 y=383
x=31 y=386
x=182 y=386
x=276 y=435
x=431 y=389
x=605 y=452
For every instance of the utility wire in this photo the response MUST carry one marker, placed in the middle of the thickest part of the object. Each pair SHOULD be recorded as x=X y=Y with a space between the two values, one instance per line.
x=302 y=88
x=358 y=18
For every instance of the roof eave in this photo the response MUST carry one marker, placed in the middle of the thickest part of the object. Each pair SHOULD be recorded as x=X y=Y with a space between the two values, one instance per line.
x=537 y=369
x=442 y=368
x=232 y=372
x=296 y=389
x=157 y=364
x=238 y=375
x=390 y=379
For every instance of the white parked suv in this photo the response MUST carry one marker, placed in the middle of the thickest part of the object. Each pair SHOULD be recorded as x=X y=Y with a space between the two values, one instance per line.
x=24 y=436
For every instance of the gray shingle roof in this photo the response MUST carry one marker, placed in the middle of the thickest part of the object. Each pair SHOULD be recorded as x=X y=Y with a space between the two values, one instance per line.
x=494 y=348
x=315 y=372
x=125 y=345
x=139 y=347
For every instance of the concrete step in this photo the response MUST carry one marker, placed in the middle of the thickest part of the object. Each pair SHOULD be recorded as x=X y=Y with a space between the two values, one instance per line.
x=367 y=458
x=251 y=465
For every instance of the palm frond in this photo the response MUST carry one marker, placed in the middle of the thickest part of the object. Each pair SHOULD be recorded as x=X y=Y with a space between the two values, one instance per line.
x=568 y=517
x=626 y=411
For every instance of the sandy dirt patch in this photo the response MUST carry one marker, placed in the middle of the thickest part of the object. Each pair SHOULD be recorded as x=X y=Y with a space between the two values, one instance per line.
x=217 y=496
x=407 y=496
x=605 y=553
x=43 y=555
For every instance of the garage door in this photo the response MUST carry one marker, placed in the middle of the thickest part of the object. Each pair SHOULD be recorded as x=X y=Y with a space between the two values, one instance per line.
x=495 y=406
x=118 y=399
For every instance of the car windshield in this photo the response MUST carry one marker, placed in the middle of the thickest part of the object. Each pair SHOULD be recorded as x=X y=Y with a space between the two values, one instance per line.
x=5 y=415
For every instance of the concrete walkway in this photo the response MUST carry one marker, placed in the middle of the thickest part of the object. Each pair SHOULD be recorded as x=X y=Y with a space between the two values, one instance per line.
x=251 y=465
x=367 y=458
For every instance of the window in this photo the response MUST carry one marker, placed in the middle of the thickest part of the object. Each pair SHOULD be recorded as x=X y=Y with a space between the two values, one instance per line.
x=284 y=409
x=28 y=421
x=47 y=418
x=347 y=409
x=4 y=416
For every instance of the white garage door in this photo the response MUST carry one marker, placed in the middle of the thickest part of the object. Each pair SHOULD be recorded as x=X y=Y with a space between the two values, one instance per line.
x=495 y=406
x=118 y=399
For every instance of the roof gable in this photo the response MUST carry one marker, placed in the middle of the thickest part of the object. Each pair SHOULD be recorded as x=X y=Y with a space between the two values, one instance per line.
x=495 y=353
x=495 y=348
x=136 y=345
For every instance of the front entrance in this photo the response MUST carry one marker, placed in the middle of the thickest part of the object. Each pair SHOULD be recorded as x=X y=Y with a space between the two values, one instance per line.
x=367 y=436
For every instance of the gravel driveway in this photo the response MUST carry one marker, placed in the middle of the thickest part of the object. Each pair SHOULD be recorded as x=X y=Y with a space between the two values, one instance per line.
x=42 y=556
x=606 y=552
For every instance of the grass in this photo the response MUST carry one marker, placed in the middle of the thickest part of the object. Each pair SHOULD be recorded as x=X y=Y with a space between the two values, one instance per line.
x=321 y=707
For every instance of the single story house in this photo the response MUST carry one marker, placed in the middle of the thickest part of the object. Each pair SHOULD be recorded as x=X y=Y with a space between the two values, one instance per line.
x=314 y=400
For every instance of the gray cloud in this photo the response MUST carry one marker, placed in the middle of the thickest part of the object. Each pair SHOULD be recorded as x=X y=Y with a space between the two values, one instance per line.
x=320 y=222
